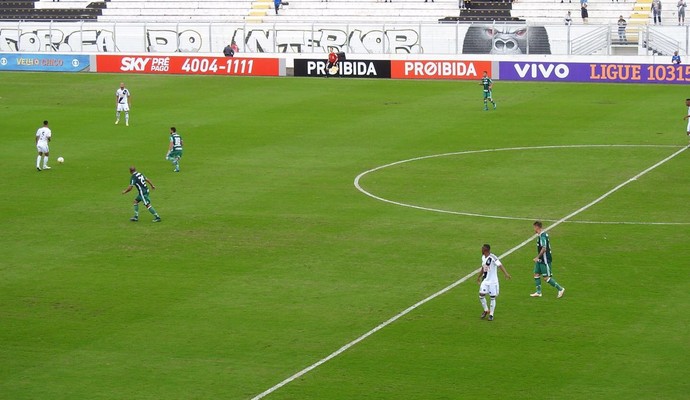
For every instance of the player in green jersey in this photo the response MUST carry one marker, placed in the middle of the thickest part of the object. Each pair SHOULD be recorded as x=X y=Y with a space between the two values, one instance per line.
x=488 y=85
x=542 y=262
x=175 y=149
x=139 y=181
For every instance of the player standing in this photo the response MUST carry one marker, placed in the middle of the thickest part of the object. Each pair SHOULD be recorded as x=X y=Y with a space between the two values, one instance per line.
x=488 y=85
x=488 y=280
x=43 y=135
x=175 y=149
x=139 y=181
x=542 y=262
x=122 y=102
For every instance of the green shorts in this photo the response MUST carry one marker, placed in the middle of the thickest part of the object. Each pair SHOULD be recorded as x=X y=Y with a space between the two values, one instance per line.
x=143 y=199
x=175 y=154
x=487 y=95
x=542 y=269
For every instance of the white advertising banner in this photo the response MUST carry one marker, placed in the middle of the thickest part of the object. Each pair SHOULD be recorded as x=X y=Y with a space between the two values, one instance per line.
x=96 y=37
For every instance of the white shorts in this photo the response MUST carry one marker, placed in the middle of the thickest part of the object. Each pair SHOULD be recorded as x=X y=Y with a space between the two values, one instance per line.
x=490 y=288
x=688 y=126
x=122 y=107
x=42 y=147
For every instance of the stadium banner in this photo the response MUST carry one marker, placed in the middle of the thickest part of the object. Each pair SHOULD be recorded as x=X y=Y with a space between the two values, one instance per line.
x=346 y=68
x=439 y=69
x=190 y=65
x=293 y=38
x=594 y=72
x=44 y=62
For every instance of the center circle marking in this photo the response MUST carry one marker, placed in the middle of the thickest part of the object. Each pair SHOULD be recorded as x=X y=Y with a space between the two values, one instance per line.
x=470 y=214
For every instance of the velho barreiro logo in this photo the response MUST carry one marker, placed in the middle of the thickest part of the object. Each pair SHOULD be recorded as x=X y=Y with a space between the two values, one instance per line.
x=539 y=70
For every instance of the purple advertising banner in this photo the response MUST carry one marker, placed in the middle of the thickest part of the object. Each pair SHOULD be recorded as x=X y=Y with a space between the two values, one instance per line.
x=594 y=72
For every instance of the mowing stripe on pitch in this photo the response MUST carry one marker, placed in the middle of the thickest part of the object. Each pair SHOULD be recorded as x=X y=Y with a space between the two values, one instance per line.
x=453 y=285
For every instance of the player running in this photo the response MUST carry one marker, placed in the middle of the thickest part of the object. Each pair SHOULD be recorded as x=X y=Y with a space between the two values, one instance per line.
x=488 y=85
x=175 y=149
x=139 y=181
x=542 y=262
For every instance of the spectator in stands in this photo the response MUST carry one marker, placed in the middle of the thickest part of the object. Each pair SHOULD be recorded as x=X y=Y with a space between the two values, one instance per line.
x=461 y=4
x=681 y=12
x=234 y=47
x=583 y=12
x=277 y=4
x=427 y=0
x=568 y=19
x=656 y=11
x=583 y=2
x=228 y=51
x=621 y=29
x=676 y=58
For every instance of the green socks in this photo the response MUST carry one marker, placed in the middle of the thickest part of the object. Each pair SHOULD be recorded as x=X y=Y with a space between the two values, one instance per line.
x=555 y=284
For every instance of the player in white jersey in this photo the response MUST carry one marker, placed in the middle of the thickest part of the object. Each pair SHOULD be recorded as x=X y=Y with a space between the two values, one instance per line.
x=43 y=135
x=123 y=102
x=488 y=280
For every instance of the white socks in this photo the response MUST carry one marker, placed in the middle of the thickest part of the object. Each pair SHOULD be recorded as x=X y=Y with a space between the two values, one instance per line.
x=38 y=161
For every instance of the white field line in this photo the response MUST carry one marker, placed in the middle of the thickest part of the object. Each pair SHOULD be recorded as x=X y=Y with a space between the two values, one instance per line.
x=451 y=286
x=469 y=214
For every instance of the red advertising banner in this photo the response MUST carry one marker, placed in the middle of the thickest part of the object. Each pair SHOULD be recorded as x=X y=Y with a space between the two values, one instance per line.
x=439 y=69
x=189 y=65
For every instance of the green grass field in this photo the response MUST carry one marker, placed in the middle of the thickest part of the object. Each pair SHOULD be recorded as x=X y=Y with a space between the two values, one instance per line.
x=269 y=259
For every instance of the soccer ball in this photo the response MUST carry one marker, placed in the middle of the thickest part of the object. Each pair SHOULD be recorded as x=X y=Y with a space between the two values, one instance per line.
x=60 y=160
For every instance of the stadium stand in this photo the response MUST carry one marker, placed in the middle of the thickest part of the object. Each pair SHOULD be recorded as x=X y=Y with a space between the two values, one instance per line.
x=534 y=12
x=303 y=11
x=176 y=11
x=601 y=13
x=37 y=10
x=553 y=12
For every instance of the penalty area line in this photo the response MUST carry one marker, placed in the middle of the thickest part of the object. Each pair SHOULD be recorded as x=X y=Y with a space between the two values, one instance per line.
x=453 y=285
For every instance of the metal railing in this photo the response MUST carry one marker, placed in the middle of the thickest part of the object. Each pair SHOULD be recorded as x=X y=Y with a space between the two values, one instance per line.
x=591 y=42
x=656 y=43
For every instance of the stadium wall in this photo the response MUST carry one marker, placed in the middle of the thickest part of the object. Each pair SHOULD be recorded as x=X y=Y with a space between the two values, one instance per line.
x=296 y=38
